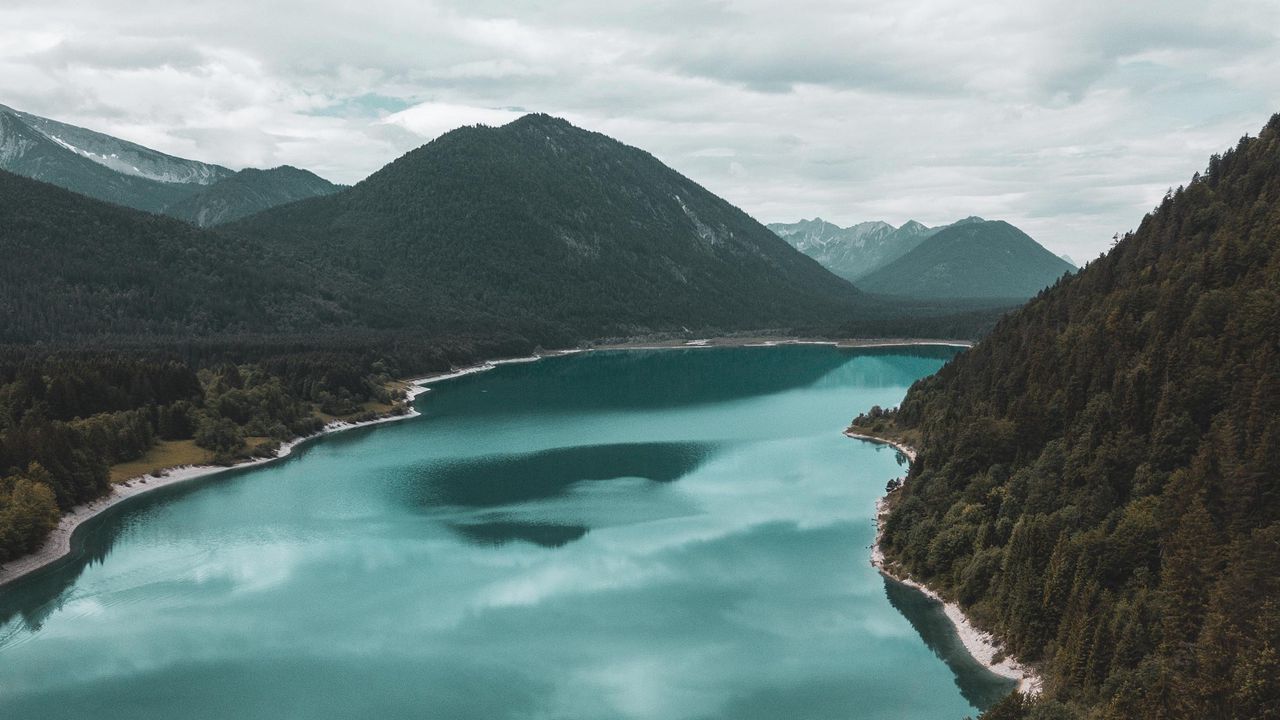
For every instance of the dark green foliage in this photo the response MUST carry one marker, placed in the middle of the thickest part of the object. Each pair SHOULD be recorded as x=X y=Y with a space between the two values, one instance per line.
x=1098 y=480
x=971 y=259
x=64 y=418
x=77 y=269
x=28 y=511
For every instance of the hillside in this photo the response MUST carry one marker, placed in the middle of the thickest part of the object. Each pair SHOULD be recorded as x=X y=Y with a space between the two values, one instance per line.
x=78 y=268
x=535 y=233
x=970 y=259
x=122 y=156
x=1097 y=479
x=541 y=227
x=117 y=171
x=36 y=148
x=248 y=192
x=854 y=251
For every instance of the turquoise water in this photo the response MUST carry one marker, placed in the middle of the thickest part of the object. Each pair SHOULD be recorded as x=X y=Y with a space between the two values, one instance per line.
x=667 y=534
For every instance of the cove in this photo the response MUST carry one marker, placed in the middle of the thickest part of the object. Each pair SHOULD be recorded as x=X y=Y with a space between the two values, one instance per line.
x=644 y=534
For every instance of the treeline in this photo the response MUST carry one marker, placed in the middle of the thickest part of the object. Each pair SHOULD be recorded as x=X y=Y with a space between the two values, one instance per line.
x=67 y=415
x=1099 y=479
x=66 y=418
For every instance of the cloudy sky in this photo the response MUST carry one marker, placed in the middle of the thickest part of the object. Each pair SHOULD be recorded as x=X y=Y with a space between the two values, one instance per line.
x=1068 y=118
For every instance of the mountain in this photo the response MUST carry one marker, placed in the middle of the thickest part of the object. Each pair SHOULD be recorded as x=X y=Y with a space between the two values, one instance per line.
x=77 y=268
x=1067 y=259
x=539 y=226
x=973 y=258
x=119 y=155
x=128 y=174
x=1098 y=479
x=247 y=192
x=107 y=169
x=854 y=251
x=532 y=233
x=537 y=230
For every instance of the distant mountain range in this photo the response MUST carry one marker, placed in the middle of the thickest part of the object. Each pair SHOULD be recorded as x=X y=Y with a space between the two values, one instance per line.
x=973 y=259
x=970 y=258
x=854 y=251
x=247 y=192
x=117 y=171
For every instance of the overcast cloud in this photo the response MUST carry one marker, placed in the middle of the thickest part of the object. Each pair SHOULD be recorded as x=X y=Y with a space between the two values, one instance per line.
x=1069 y=118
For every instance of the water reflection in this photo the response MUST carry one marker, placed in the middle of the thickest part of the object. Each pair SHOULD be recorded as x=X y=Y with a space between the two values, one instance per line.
x=981 y=687
x=501 y=532
x=506 y=479
x=655 y=379
x=640 y=544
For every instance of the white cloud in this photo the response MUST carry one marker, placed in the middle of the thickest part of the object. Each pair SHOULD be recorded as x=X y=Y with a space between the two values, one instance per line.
x=431 y=119
x=1067 y=117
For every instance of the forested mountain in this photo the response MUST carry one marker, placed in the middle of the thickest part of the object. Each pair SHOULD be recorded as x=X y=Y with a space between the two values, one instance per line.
x=1099 y=478
x=538 y=231
x=75 y=269
x=973 y=258
x=854 y=251
x=541 y=226
x=247 y=192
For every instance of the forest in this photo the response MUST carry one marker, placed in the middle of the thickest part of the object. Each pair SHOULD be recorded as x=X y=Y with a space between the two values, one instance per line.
x=68 y=415
x=1098 y=480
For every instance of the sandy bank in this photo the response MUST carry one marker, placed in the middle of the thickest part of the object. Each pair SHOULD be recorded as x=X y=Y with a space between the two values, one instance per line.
x=981 y=645
x=58 y=544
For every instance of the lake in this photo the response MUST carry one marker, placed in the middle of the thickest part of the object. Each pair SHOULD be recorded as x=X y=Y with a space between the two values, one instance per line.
x=643 y=534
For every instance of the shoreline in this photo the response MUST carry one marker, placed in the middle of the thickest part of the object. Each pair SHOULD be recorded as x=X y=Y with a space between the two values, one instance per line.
x=719 y=342
x=57 y=546
x=766 y=341
x=982 y=646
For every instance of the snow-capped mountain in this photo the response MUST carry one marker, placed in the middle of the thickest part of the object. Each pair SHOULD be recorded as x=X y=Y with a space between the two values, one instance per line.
x=27 y=151
x=119 y=155
x=125 y=173
x=854 y=251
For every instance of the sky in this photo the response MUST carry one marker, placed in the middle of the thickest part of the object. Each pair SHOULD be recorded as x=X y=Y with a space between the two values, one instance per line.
x=1068 y=118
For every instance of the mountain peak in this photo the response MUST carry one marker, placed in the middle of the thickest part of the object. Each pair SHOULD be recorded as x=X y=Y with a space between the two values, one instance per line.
x=618 y=242
x=247 y=192
x=973 y=258
x=853 y=251
x=540 y=120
